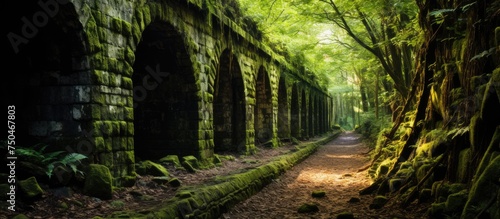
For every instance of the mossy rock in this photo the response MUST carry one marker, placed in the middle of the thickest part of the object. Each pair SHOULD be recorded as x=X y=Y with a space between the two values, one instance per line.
x=171 y=159
x=424 y=195
x=30 y=189
x=456 y=201
x=217 y=160
x=378 y=202
x=422 y=172
x=98 y=182
x=148 y=167
x=20 y=216
x=190 y=163
x=175 y=182
x=345 y=215
x=318 y=194
x=354 y=200
x=161 y=179
x=308 y=208
x=436 y=210
x=464 y=159
x=481 y=191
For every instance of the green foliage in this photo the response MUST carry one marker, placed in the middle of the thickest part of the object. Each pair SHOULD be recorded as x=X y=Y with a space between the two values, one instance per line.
x=371 y=127
x=38 y=156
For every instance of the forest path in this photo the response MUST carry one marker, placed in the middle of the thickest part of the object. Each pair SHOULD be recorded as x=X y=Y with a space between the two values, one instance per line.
x=333 y=168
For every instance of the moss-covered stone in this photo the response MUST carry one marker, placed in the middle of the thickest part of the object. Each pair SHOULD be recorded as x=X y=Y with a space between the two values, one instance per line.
x=437 y=210
x=378 y=202
x=456 y=201
x=190 y=163
x=481 y=191
x=345 y=215
x=175 y=182
x=148 y=167
x=318 y=194
x=20 y=216
x=98 y=182
x=171 y=159
x=30 y=188
x=308 y=208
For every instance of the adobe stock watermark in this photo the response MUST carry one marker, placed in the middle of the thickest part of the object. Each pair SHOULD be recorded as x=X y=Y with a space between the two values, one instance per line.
x=150 y=82
x=31 y=27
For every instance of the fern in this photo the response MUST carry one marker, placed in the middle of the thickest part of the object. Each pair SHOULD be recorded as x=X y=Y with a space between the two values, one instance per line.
x=51 y=160
x=71 y=160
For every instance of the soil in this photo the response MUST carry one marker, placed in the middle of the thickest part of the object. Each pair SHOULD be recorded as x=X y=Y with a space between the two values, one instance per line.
x=336 y=169
x=333 y=169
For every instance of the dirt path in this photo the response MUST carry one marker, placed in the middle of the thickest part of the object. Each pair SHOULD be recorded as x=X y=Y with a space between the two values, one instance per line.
x=333 y=169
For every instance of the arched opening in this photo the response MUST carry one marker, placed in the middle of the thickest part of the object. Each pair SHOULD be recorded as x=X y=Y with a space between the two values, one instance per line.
x=165 y=102
x=303 y=117
x=295 y=113
x=45 y=86
x=229 y=106
x=283 y=114
x=263 y=120
x=48 y=77
x=311 y=117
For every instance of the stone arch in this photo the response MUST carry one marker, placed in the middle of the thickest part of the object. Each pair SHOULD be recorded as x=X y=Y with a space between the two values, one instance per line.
x=50 y=85
x=295 y=112
x=229 y=105
x=263 y=111
x=283 y=110
x=165 y=95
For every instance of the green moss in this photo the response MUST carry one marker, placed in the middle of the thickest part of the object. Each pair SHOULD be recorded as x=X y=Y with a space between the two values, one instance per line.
x=98 y=182
x=116 y=25
x=171 y=159
x=190 y=163
x=20 y=216
x=456 y=201
x=30 y=188
x=318 y=194
x=148 y=167
x=308 y=208
x=464 y=159
x=481 y=190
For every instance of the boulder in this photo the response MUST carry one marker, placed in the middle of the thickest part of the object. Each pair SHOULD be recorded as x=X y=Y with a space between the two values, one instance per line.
x=98 y=182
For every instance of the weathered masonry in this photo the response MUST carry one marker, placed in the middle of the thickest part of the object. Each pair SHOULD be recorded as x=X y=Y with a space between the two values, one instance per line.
x=126 y=80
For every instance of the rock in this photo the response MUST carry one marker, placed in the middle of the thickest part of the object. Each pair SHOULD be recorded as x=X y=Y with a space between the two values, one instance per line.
x=354 y=200
x=190 y=163
x=318 y=194
x=174 y=182
x=378 y=202
x=171 y=159
x=424 y=195
x=30 y=189
x=345 y=215
x=161 y=179
x=98 y=182
x=217 y=160
x=20 y=216
x=148 y=167
x=308 y=208
x=456 y=201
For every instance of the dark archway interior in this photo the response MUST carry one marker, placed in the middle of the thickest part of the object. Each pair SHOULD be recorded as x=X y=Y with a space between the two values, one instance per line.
x=229 y=106
x=263 y=120
x=295 y=113
x=303 y=117
x=45 y=65
x=165 y=106
x=283 y=116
